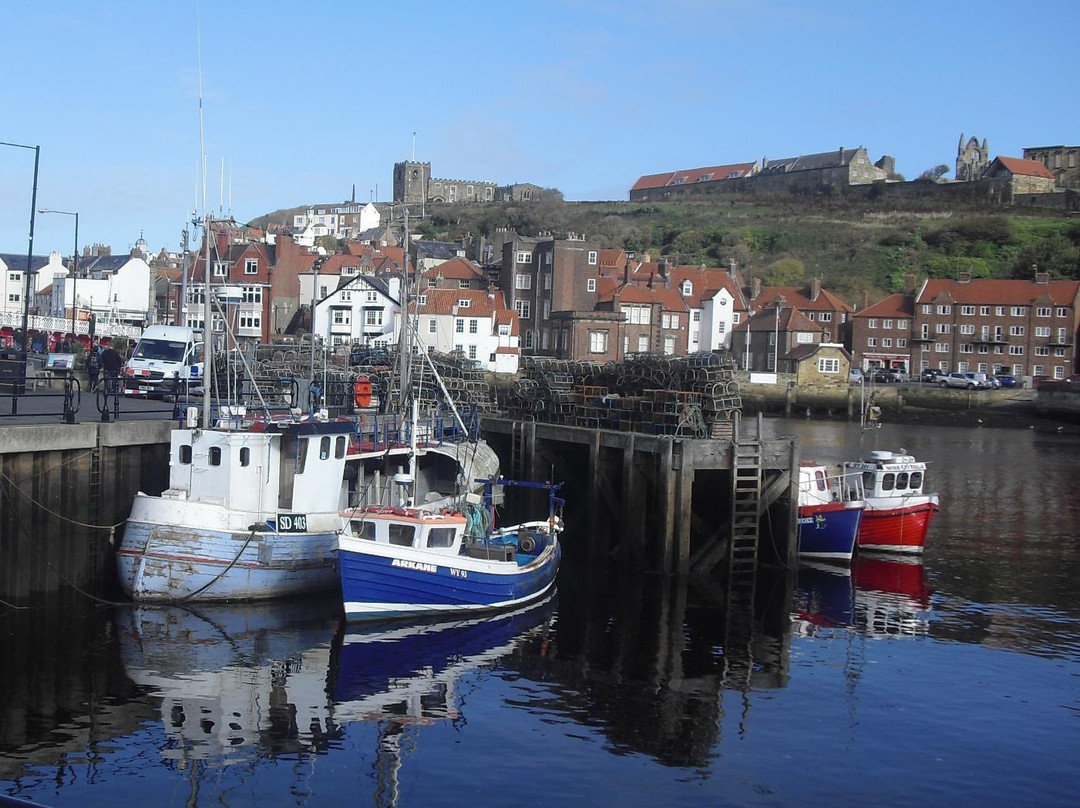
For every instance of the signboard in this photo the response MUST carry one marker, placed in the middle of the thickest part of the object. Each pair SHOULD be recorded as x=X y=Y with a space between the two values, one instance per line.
x=292 y=523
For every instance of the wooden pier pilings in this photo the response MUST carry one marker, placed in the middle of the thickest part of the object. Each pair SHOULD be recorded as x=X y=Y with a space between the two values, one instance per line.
x=654 y=502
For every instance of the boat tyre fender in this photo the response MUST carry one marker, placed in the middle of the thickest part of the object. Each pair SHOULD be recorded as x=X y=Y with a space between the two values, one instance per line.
x=526 y=543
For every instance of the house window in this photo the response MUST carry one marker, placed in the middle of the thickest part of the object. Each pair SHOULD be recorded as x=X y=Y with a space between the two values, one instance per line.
x=432 y=326
x=901 y=343
x=1062 y=312
x=547 y=279
x=871 y=342
x=459 y=326
x=942 y=328
x=463 y=303
x=1018 y=311
x=373 y=317
x=463 y=284
x=1042 y=350
x=669 y=345
x=944 y=309
x=250 y=320
x=941 y=347
x=592 y=258
x=472 y=352
x=927 y=309
x=968 y=311
x=984 y=311
x=432 y=283
x=1043 y=311
x=999 y=311
x=590 y=285
x=346 y=295
x=598 y=342
x=826 y=317
x=522 y=281
x=1016 y=350
x=686 y=288
x=1016 y=331
x=887 y=342
x=221 y=269
x=524 y=257
x=530 y=339
x=251 y=266
x=828 y=365
x=422 y=300
x=251 y=294
x=886 y=324
x=341 y=316
x=804 y=337
x=474 y=327
x=871 y=323
x=523 y=309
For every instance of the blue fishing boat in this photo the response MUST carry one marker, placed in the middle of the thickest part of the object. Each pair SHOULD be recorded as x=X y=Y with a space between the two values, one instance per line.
x=410 y=562
x=828 y=522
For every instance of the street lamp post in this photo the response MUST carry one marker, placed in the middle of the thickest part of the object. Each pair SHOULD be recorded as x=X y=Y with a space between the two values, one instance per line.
x=29 y=249
x=74 y=266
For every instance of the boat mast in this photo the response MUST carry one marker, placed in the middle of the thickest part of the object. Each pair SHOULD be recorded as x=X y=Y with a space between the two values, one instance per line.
x=208 y=331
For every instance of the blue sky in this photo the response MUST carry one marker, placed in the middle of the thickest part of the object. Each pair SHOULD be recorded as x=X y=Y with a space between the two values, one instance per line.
x=304 y=101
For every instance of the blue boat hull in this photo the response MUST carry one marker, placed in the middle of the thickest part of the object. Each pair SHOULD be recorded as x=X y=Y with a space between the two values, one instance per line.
x=377 y=583
x=828 y=531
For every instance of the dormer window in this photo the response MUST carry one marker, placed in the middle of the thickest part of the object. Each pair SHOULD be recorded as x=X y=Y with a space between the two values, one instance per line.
x=686 y=288
x=463 y=303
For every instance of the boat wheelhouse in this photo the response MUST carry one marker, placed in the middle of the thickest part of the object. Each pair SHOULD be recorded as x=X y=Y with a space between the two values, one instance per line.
x=828 y=523
x=898 y=513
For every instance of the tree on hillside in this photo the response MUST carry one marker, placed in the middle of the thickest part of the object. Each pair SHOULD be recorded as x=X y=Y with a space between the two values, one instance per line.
x=785 y=272
x=1055 y=254
x=934 y=174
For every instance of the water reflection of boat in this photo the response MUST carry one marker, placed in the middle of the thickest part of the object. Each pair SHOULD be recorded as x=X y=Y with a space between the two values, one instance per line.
x=891 y=596
x=823 y=598
x=235 y=681
x=402 y=676
x=405 y=672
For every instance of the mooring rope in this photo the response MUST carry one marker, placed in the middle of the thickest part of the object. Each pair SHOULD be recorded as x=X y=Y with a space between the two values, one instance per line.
x=14 y=485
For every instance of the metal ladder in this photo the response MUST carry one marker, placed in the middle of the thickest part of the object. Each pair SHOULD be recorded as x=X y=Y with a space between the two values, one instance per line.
x=742 y=563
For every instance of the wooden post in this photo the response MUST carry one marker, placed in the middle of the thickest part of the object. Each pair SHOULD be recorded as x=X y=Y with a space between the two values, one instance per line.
x=666 y=502
x=685 y=491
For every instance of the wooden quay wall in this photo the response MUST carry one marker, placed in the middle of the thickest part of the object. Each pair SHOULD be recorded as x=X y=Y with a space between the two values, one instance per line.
x=656 y=503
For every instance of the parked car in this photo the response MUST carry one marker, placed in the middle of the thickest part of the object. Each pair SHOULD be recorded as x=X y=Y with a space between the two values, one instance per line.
x=967 y=381
x=898 y=376
x=1007 y=380
x=1036 y=380
x=856 y=376
x=930 y=375
x=1074 y=378
x=880 y=376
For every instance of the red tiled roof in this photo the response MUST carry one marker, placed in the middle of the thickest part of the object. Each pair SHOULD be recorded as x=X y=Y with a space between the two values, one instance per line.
x=652 y=181
x=896 y=305
x=456 y=268
x=710 y=173
x=798 y=297
x=999 y=291
x=1026 y=168
x=444 y=301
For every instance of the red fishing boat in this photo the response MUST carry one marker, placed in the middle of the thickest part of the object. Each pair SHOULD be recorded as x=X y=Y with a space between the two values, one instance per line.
x=898 y=513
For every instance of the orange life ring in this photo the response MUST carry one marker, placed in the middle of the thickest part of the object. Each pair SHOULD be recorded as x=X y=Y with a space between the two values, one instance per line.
x=362 y=392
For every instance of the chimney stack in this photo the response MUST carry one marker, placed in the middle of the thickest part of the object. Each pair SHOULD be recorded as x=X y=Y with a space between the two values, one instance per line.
x=815 y=288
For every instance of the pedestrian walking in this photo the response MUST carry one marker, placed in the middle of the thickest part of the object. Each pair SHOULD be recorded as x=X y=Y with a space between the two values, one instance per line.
x=93 y=366
x=112 y=363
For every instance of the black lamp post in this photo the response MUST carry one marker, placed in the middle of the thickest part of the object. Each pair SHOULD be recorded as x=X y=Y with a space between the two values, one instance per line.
x=74 y=266
x=30 y=247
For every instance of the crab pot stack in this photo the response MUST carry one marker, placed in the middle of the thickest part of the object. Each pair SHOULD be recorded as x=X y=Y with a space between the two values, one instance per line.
x=694 y=396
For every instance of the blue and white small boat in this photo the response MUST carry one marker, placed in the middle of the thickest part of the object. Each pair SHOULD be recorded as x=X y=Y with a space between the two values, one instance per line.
x=828 y=522
x=409 y=562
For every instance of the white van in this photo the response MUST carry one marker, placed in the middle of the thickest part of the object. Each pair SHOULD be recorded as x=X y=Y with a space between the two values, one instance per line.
x=165 y=357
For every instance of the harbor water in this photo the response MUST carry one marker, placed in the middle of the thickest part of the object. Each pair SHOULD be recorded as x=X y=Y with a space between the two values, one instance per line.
x=952 y=679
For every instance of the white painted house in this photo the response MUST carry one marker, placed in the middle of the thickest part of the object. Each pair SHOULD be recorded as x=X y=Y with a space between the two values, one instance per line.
x=346 y=220
x=118 y=287
x=364 y=310
x=472 y=322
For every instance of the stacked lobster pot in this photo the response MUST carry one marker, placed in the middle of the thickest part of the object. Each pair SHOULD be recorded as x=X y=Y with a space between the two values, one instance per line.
x=694 y=396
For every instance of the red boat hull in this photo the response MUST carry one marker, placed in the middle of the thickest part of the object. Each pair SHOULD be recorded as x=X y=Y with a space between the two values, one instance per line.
x=896 y=530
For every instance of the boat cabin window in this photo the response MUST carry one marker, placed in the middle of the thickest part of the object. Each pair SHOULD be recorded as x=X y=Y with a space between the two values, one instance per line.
x=301 y=455
x=868 y=481
x=215 y=455
x=324 y=448
x=888 y=481
x=902 y=480
x=366 y=530
x=339 y=447
x=916 y=480
x=819 y=478
x=440 y=537
x=185 y=454
x=245 y=456
x=401 y=535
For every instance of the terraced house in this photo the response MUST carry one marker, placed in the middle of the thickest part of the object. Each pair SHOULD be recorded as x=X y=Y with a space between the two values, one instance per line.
x=1023 y=327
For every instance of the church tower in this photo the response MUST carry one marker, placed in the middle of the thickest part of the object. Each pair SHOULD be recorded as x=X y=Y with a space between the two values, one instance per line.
x=411 y=182
x=971 y=159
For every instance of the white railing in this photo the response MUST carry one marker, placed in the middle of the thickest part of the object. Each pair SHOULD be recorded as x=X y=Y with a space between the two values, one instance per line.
x=104 y=326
